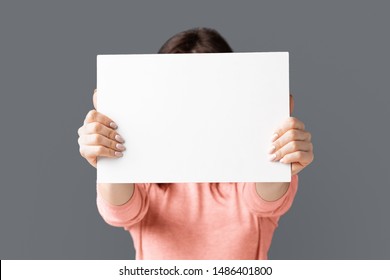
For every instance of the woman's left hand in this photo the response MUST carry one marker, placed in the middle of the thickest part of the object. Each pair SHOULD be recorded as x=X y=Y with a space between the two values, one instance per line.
x=291 y=143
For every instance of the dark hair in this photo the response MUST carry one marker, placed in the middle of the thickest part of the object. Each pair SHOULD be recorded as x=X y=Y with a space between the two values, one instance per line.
x=196 y=40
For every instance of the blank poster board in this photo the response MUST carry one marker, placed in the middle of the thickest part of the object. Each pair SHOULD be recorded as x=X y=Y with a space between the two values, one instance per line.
x=199 y=117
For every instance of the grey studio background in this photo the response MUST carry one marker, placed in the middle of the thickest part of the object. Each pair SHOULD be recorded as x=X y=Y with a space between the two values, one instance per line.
x=339 y=63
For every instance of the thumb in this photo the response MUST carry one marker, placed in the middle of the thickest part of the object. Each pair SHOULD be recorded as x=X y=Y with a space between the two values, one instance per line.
x=94 y=98
x=291 y=104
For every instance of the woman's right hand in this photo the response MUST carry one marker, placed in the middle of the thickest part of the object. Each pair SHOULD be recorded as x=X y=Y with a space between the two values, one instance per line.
x=98 y=137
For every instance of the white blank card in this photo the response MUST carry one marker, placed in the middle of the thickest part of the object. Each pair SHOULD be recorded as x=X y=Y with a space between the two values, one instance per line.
x=200 y=117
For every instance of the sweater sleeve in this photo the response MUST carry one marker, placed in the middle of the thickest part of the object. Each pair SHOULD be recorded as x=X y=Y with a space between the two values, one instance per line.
x=127 y=214
x=263 y=208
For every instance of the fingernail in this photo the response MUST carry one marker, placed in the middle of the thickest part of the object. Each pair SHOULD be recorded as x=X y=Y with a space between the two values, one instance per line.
x=272 y=149
x=281 y=160
x=120 y=147
x=113 y=125
x=119 y=138
x=118 y=154
x=272 y=157
x=274 y=137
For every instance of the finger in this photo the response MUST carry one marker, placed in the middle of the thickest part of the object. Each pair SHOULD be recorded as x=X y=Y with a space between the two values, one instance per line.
x=290 y=123
x=98 y=151
x=303 y=158
x=291 y=147
x=98 y=128
x=100 y=140
x=290 y=136
x=80 y=131
x=95 y=116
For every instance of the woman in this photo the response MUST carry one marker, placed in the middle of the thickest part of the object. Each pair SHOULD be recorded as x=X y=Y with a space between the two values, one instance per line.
x=197 y=220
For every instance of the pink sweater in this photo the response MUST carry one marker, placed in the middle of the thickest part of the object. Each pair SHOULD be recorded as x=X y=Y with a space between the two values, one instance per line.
x=199 y=220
